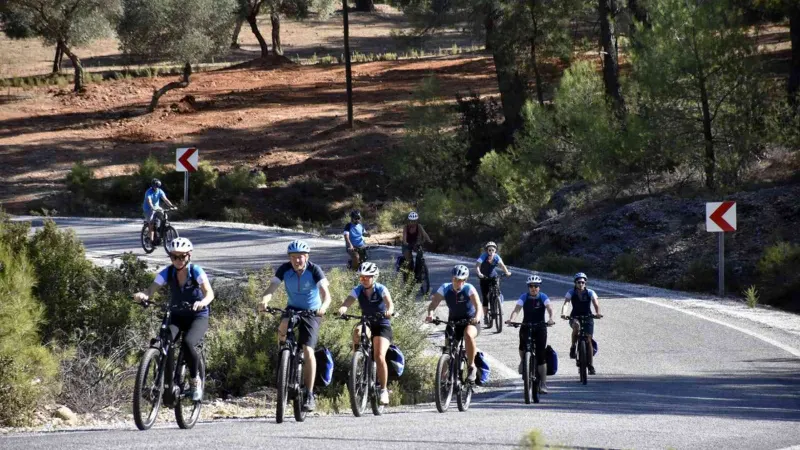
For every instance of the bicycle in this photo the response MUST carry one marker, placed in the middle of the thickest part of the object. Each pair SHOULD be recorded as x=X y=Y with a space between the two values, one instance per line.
x=494 y=308
x=163 y=232
x=362 y=383
x=363 y=256
x=452 y=370
x=291 y=385
x=581 y=354
x=420 y=269
x=151 y=388
x=530 y=375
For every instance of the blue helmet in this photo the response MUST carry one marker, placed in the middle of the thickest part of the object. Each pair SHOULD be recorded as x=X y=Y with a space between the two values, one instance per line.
x=580 y=275
x=298 y=247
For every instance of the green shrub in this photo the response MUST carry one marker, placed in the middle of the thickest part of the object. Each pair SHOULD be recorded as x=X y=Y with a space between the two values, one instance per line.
x=751 y=296
x=241 y=179
x=149 y=168
x=236 y=214
x=80 y=179
x=26 y=366
x=533 y=440
x=778 y=274
x=562 y=264
x=700 y=276
x=628 y=267
x=393 y=215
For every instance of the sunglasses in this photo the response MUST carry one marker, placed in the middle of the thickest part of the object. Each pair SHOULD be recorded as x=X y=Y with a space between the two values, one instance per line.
x=179 y=257
x=580 y=282
x=365 y=277
x=533 y=285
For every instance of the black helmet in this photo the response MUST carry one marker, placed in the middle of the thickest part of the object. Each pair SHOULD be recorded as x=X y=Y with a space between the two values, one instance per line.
x=155 y=182
x=355 y=214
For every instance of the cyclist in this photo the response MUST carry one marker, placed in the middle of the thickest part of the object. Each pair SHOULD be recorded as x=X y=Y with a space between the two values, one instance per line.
x=354 y=233
x=486 y=268
x=307 y=289
x=188 y=283
x=463 y=303
x=152 y=199
x=413 y=234
x=373 y=298
x=582 y=300
x=533 y=305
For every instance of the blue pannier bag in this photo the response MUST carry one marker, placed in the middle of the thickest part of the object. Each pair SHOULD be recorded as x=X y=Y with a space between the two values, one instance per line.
x=483 y=369
x=551 y=358
x=395 y=360
x=324 y=365
x=594 y=347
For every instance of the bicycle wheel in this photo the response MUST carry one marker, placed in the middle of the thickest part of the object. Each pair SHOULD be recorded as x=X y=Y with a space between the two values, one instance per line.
x=170 y=233
x=147 y=245
x=357 y=383
x=526 y=377
x=187 y=411
x=444 y=383
x=498 y=314
x=582 y=360
x=464 y=397
x=283 y=386
x=375 y=389
x=297 y=403
x=147 y=390
x=487 y=315
x=425 y=280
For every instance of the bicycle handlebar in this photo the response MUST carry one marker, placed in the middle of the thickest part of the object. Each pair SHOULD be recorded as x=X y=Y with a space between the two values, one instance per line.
x=301 y=313
x=368 y=318
x=454 y=323
x=589 y=316
x=528 y=325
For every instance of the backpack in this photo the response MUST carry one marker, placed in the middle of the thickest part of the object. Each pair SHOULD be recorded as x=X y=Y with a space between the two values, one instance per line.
x=483 y=369
x=324 y=365
x=551 y=358
x=594 y=347
x=395 y=360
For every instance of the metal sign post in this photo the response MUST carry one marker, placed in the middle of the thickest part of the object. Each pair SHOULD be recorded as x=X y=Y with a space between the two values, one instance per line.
x=185 y=187
x=721 y=267
x=186 y=160
x=721 y=219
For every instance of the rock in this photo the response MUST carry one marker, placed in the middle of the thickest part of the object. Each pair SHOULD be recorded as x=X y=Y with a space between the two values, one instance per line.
x=66 y=414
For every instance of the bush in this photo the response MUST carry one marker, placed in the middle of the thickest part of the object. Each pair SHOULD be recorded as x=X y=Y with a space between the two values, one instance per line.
x=628 y=267
x=79 y=179
x=241 y=179
x=566 y=265
x=236 y=214
x=393 y=215
x=751 y=296
x=150 y=168
x=780 y=279
x=26 y=366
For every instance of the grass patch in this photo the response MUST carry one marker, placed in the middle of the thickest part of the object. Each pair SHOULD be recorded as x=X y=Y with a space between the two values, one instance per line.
x=751 y=296
x=565 y=265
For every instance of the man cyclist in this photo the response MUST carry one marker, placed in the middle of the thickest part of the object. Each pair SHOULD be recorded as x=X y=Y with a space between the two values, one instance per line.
x=354 y=233
x=374 y=299
x=188 y=283
x=582 y=300
x=486 y=268
x=307 y=289
x=462 y=301
x=413 y=234
x=152 y=199
x=533 y=305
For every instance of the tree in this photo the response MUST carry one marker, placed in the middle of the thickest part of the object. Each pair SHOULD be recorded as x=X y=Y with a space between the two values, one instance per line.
x=65 y=23
x=607 y=12
x=699 y=77
x=188 y=31
x=790 y=9
x=365 y=5
x=296 y=9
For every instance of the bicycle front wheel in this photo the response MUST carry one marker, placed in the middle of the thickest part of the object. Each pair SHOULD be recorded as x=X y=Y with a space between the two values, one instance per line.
x=147 y=244
x=444 y=383
x=147 y=390
x=527 y=378
x=375 y=389
x=170 y=234
x=498 y=314
x=425 y=280
x=464 y=397
x=297 y=403
x=582 y=363
x=283 y=386
x=357 y=383
x=187 y=411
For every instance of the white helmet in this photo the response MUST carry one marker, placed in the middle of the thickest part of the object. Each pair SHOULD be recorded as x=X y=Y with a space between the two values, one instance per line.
x=490 y=244
x=298 y=247
x=180 y=244
x=369 y=269
x=534 y=279
x=413 y=215
x=461 y=272
x=580 y=275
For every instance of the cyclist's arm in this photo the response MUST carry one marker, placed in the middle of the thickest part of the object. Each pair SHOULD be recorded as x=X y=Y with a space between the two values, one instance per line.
x=325 y=293
x=549 y=308
x=387 y=299
x=166 y=200
x=596 y=304
x=208 y=293
x=564 y=308
x=435 y=300
x=503 y=266
x=405 y=235
x=516 y=311
x=140 y=296
x=274 y=284
x=347 y=240
x=478 y=269
x=150 y=203
x=424 y=234
x=476 y=303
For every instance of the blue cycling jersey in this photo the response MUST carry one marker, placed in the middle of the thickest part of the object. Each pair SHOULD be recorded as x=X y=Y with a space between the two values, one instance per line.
x=356 y=232
x=302 y=289
x=373 y=304
x=459 y=303
x=155 y=195
x=488 y=266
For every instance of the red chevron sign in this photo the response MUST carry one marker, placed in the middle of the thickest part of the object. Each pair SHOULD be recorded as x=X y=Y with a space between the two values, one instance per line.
x=721 y=217
x=186 y=159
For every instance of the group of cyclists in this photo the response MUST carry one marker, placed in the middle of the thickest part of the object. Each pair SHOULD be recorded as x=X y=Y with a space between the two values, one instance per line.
x=307 y=289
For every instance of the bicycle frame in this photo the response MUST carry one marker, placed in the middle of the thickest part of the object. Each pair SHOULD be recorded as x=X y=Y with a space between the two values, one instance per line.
x=166 y=364
x=456 y=352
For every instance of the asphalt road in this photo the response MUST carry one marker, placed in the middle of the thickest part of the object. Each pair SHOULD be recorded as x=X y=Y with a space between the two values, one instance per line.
x=664 y=379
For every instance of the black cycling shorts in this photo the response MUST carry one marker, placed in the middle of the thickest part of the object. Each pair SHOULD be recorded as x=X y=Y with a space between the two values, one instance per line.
x=308 y=331
x=378 y=329
x=539 y=341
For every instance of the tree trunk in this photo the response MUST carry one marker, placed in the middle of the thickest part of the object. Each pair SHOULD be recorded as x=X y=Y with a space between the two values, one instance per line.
x=639 y=15
x=513 y=87
x=534 y=63
x=236 y=30
x=76 y=64
x=59 y=57
x=251 y=19
x=708 y=137
x=607 y=11
x=187 y=72
x=365 y=5
x=794 y=72
x=277 y=49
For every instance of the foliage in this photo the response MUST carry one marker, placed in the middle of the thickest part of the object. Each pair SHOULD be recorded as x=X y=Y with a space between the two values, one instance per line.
x=241 y=179
x=566 y=265
x=628 y=267
x=777 y=269
x=393 y=215
x=79 y=178
x=751 y=296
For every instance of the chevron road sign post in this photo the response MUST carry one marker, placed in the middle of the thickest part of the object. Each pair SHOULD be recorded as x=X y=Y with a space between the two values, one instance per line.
x=186 y=160
x=721 y=218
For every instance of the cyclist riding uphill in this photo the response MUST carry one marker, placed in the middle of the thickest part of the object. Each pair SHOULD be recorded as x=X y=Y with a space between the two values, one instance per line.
x=533 y=305
x=463 y=303
x=188 y=284
x=413 y=235
x=354 y=233
x=374 y=300
x=307 y=289
x=486 y=268
x=152 y=199
x=582 y=300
